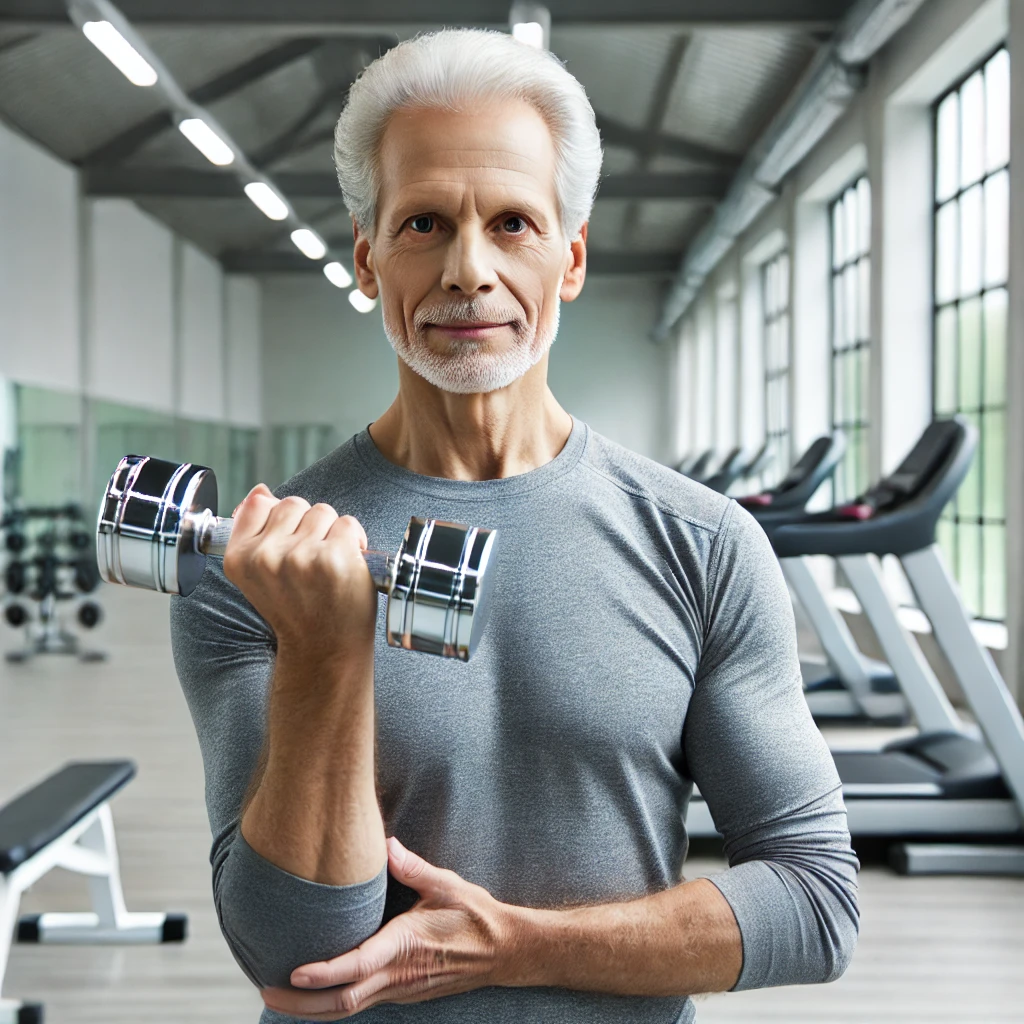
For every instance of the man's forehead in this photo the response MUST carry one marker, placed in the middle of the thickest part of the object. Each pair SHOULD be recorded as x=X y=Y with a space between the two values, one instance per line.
x=426 y=152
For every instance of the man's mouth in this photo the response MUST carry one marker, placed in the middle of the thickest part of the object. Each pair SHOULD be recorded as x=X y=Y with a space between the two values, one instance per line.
x=467 y=328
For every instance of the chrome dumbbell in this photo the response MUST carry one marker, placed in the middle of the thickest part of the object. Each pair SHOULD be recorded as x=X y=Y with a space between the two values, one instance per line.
x=158 y=523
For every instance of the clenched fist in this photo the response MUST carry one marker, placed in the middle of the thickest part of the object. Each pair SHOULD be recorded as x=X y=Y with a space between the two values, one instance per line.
x=301 y=567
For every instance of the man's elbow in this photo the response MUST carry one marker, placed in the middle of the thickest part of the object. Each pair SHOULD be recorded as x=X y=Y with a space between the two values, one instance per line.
x=275 y=922
x=840 y=942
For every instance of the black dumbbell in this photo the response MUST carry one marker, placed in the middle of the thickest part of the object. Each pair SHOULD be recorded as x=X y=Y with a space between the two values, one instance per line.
x=79 y=540
x=158 y=523
x=15 y=577
x=15 y=541
x=90 y=614
x=16 y=614
x=87 y=575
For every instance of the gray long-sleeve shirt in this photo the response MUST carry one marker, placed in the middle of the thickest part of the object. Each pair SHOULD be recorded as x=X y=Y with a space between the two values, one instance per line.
x=641 y=640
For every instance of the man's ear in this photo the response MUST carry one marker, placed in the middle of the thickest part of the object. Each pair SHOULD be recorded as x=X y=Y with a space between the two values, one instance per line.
x=362 y=260
x=576 y=267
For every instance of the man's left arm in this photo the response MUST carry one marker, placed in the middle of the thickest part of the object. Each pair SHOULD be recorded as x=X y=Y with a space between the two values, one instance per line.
x=785 y=912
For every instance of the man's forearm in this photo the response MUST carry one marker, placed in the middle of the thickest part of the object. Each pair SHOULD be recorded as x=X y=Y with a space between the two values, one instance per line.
x=314 y=810
x=681 y=941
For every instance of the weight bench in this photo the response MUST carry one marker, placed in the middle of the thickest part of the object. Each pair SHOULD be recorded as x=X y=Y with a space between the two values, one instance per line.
x=65 y=822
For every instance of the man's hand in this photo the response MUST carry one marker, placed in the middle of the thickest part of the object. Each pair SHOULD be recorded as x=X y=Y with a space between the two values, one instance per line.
x=302 y=569
x=455 y=939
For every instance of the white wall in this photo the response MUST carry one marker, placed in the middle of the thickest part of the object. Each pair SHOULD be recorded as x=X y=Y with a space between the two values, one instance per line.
x=39 y=266
x=98 y=298
x=325 y=363
x=243 y=342
x=200 y=390
x=131 y=319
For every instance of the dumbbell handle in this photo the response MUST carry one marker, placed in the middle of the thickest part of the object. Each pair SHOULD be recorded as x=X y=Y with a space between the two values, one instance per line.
x=213 y=533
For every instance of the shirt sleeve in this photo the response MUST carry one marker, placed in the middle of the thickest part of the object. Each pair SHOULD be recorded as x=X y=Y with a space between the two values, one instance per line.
x=766 y=773
x=273 y=921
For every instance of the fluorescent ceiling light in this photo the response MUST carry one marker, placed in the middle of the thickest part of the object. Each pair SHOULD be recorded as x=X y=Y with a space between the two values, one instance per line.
x=207 y=141
x=309 y=243
x=119 y=52
x=529 y=32
x=267 y=200
x=362 y=302
x=337 y=275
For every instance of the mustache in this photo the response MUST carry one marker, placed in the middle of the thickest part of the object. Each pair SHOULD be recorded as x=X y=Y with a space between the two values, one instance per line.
x=471 y=310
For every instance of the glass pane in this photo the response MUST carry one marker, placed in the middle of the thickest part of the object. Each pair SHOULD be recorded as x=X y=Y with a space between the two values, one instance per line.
x=970 y=354
x=972 y=130
x=850 y=304
x=837 y=312
x=997 y=228
x=969 y=565
x=838 y=395
x=995 y=347
x=993 y=604
x=946 y=223
x=947 y=148
x=864 y=359
x=968 y=498
x=997 y=111
x=864 y=214
x=852 y=230
x=837 y=234
x=970 y=241
x=48 y=425
x=993 y=458
x=783 y=281
x=864 y=295
x=945 y=361
x=946 y=536
x=852 y=399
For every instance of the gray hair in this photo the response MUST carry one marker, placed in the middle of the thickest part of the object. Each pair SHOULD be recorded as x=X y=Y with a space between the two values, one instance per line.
x=445 y=70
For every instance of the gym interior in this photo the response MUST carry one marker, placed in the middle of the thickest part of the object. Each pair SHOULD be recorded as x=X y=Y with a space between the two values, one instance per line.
x=801 y=291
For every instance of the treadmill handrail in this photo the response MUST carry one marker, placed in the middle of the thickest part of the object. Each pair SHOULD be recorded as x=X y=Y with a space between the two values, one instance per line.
x=907 y=527
x=729 y=472
x=807 y=474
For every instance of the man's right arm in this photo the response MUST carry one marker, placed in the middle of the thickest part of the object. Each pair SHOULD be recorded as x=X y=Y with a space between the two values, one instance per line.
x=299 y=871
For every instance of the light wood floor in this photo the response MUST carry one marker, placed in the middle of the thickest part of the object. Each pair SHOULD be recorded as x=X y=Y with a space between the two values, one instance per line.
x=931 y=950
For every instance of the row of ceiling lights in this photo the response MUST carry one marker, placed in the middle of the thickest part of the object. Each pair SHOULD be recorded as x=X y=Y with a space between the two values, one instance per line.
x=107 y=29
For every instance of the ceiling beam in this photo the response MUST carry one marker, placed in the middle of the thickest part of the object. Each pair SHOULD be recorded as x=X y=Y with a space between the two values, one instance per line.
x=132 y=139
x=348 y=15
x=626 y=264
x=172 y=183
x=658 y=143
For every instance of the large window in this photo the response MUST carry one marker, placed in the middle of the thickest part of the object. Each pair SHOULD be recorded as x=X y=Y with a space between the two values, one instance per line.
x=775 y=293
x=972 y=199
x=851 y=334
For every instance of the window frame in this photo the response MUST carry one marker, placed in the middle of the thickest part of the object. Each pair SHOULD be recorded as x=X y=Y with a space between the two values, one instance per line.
x=949 y=536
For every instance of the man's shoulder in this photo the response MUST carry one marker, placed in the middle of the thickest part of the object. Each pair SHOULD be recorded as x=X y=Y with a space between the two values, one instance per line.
x=661 y=486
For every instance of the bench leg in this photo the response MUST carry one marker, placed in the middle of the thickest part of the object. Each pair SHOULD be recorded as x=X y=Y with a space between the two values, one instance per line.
x=95 y=855
x=12 y=1011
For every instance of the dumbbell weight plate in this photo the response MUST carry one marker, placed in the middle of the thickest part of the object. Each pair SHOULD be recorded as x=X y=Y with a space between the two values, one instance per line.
x=145 y=535
x=14 y=577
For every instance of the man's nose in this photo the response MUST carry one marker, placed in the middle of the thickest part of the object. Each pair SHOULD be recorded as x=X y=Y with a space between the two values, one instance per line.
x=469 y=265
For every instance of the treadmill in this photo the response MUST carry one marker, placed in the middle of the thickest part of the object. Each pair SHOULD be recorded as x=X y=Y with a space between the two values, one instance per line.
x=950 y=781
x=699 y=469
x=731 y=469
x=849 y=686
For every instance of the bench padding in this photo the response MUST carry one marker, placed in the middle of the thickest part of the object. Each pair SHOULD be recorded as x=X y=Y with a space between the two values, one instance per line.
x=35 y=819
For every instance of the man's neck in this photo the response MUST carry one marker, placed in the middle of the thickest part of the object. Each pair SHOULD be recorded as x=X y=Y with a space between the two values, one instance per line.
x=472 y=437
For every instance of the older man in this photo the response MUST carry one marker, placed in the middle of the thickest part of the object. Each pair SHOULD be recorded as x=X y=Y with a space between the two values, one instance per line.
x=641 y=638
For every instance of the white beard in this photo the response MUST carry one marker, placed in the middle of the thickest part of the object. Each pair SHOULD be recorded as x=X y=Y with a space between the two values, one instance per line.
x=468 y=368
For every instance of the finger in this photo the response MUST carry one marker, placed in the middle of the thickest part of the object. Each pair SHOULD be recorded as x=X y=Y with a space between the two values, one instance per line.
x=347 y=528
x=379 y=950
x=304 y=1004
x=412 y=870
x=316 y=523
x=285 y=517
x=250 y=516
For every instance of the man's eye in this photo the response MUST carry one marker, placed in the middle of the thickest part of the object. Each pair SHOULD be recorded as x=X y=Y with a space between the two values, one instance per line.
x=422 y=224
x=514 y=225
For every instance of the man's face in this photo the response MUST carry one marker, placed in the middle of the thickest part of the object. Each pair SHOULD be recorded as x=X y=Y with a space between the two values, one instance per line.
x=469 y=253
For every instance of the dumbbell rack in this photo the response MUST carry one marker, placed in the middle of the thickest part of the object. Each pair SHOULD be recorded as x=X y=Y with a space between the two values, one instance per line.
x=46 y=633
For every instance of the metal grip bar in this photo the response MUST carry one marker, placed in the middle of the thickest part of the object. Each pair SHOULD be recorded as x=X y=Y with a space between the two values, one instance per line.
x=214 y=532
